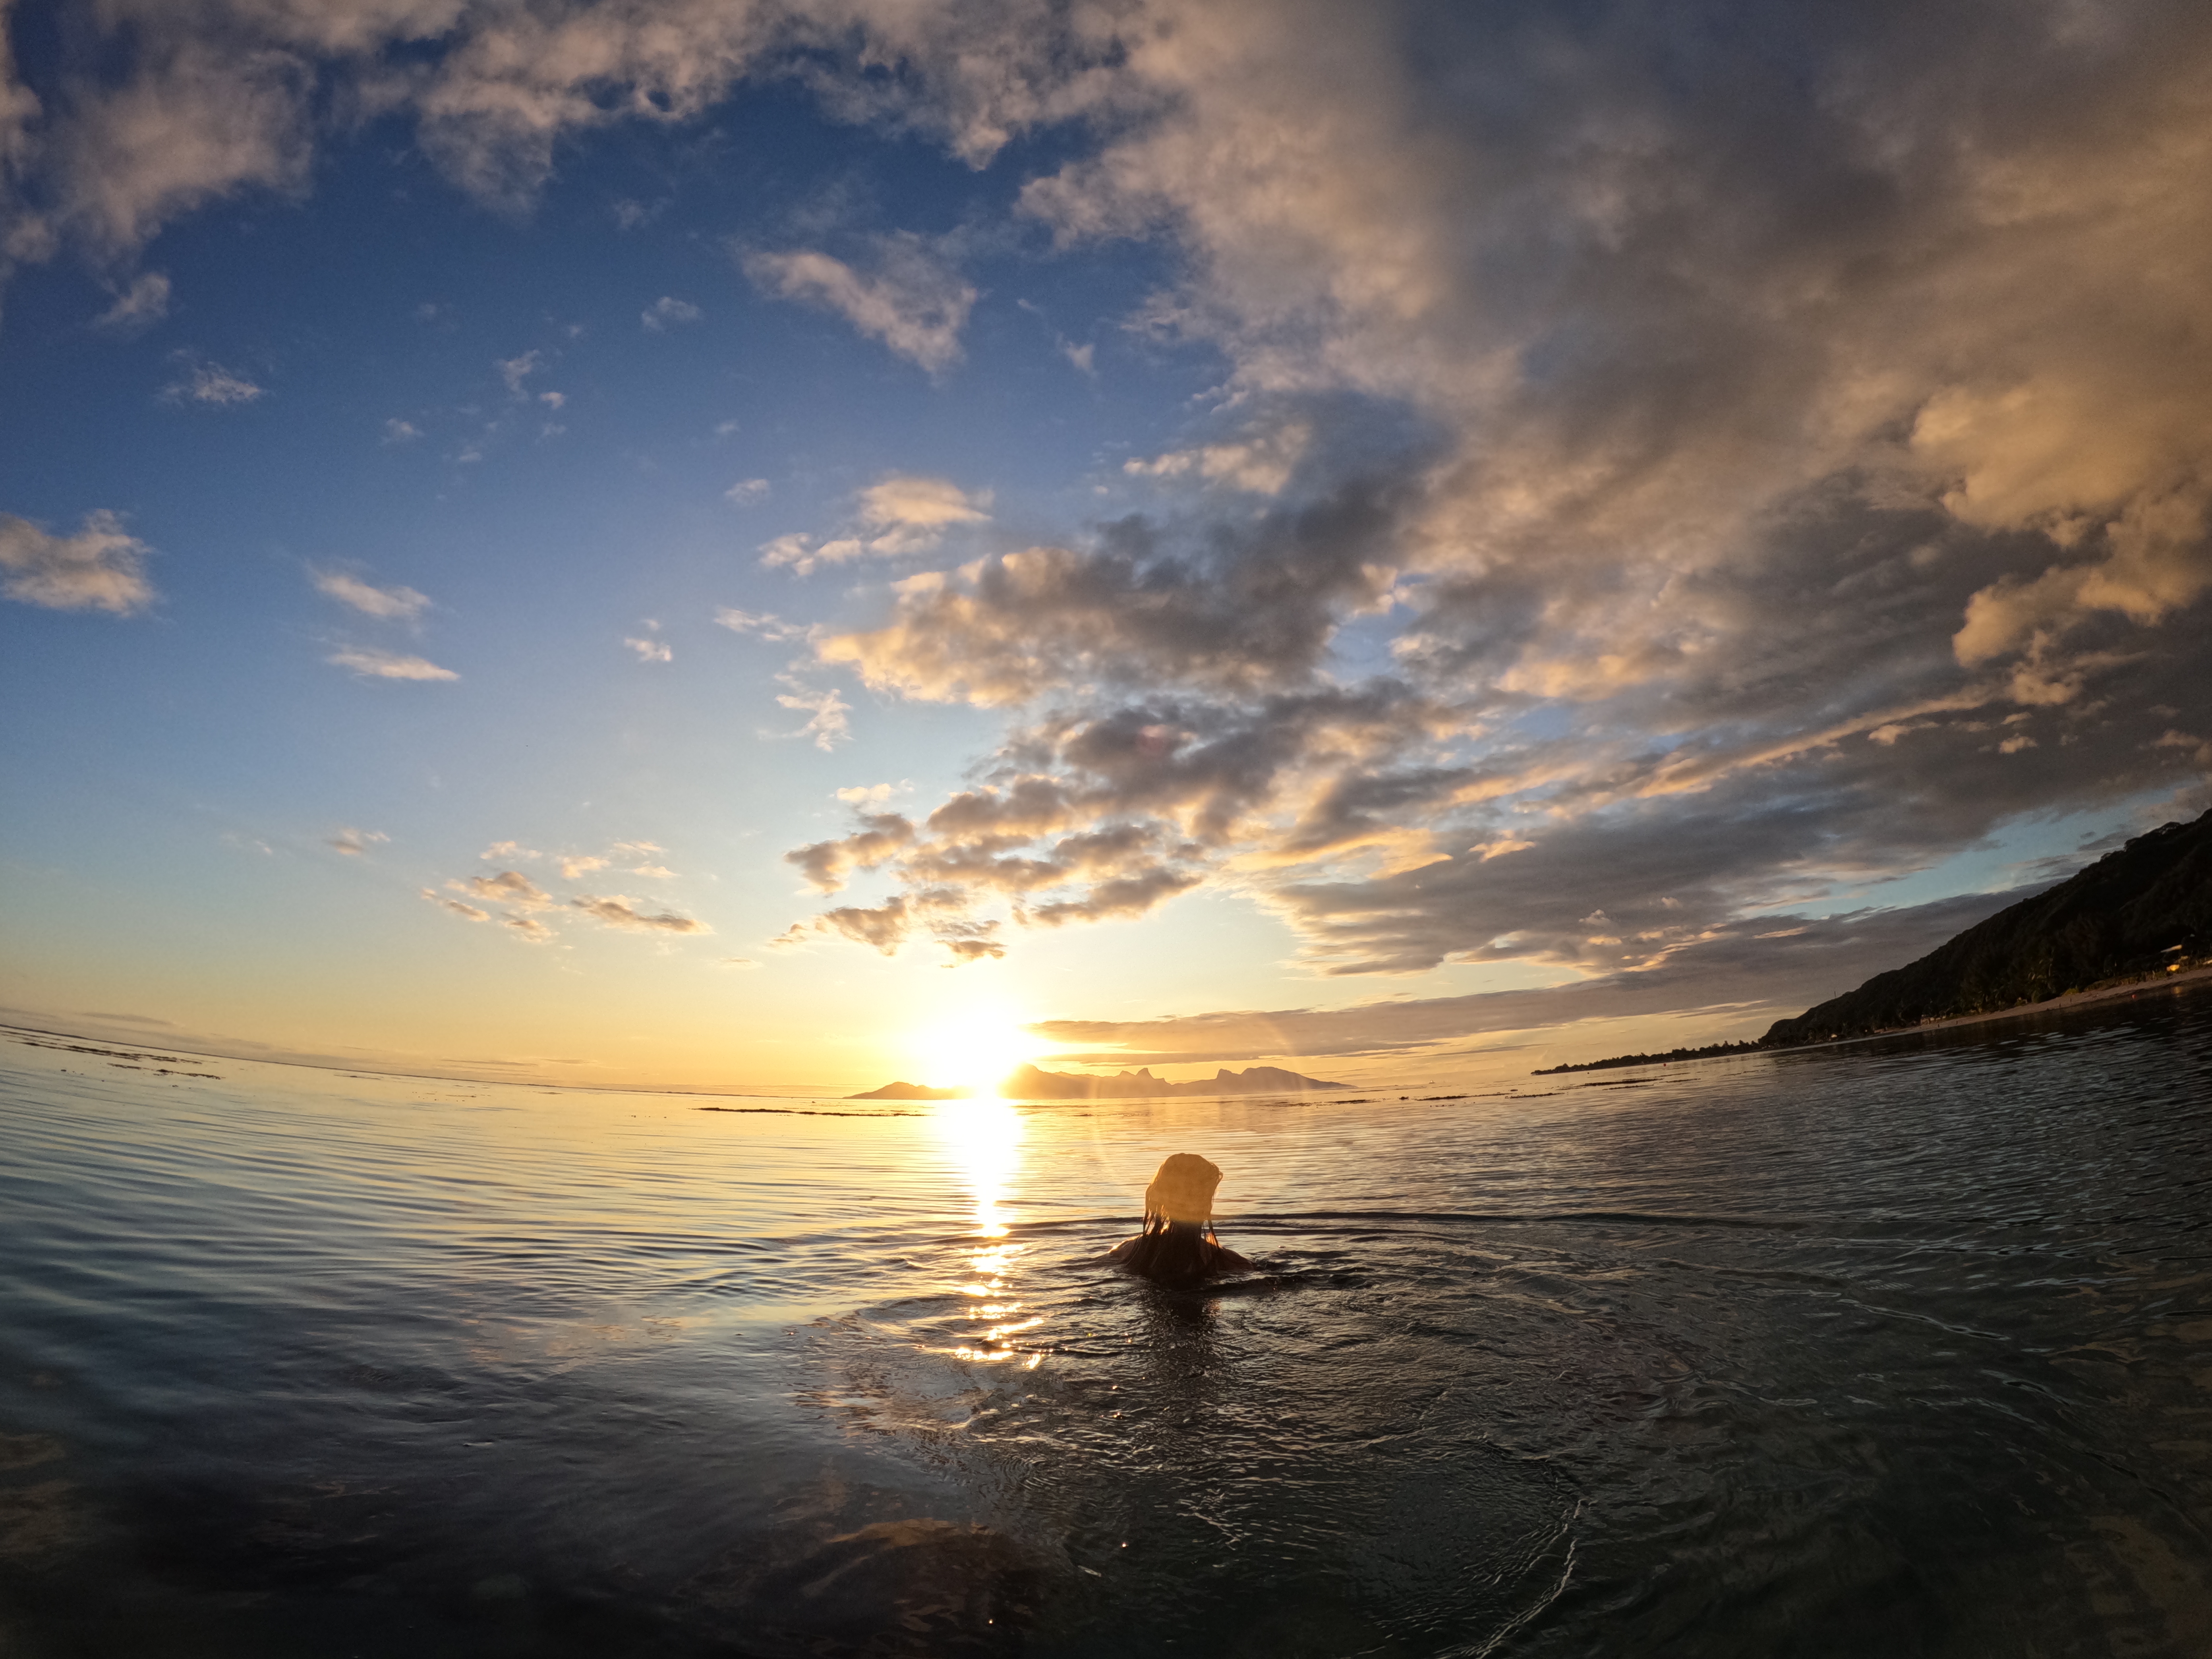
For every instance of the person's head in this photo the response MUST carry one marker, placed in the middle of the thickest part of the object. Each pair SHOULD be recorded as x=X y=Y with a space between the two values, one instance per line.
x=1183 y=1191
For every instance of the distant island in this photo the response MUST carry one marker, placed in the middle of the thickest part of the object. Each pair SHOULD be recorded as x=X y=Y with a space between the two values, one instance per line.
x=2140 y=913
x=1030 y=1084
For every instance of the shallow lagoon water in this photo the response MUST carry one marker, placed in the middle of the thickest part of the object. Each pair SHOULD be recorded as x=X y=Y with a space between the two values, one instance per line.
x=1900 y=1348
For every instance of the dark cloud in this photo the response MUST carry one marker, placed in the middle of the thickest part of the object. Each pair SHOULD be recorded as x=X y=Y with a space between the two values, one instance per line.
x=1249 y=608
x=1783 y=962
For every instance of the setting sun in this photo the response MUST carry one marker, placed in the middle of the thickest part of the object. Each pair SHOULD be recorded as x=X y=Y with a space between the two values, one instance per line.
x=973 y=1051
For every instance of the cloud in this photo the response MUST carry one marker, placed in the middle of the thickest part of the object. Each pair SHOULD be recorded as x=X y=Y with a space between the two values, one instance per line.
x=507 y=887
x=142 y=305
x=101 y=568
x=911 y=301
x=827 y=863
x=467 y=911
x=767 y=625
x=1662 y=462
x=1261 y=464
x=371 y=663
x=507 y=849
x=872 y=794
x=651 y=650
x=667 y=312
x=827 y=723
x=515 y=370
x=1787 y=969
x=385 y=603
x=201 y=119
x=900 y=516
x=529 y=927
x=212 y=384
x=922 y=503
x=1256 y=606
x=618 y=912
x=397 y=431
x=356 y=843
x=747 y=492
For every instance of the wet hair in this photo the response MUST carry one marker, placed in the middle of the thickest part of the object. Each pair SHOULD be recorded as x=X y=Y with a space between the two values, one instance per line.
x=1178 y=1252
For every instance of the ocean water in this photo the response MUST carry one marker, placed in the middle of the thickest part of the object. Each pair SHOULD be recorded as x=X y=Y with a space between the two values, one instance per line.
x=1898 y=1349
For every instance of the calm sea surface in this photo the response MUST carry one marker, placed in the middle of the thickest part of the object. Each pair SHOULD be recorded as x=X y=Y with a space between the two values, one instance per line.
x=1901 y=1349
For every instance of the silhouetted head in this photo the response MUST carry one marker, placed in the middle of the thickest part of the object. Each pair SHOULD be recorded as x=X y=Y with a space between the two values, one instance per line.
x=1183 y=1191
x=1174 y=1247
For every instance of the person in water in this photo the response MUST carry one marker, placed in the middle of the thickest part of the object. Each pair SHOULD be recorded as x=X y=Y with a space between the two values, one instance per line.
x=1177 y=1245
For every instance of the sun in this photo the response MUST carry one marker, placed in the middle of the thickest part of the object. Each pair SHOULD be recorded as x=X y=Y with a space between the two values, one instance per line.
x=974 y=1050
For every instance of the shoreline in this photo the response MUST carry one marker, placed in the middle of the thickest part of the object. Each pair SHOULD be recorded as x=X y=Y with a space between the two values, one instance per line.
x=2065 y=1000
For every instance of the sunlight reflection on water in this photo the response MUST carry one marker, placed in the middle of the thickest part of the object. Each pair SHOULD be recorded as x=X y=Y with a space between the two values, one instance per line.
x=983 y=1139
x=1890 y=1350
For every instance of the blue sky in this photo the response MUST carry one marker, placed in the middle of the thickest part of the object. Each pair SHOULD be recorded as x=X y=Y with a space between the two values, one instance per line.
x=699 y=544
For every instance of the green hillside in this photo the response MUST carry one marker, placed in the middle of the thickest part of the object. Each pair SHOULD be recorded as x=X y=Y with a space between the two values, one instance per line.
x=2135 y=911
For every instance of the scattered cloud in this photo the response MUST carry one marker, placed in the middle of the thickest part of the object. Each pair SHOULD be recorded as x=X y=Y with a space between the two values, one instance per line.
x=211 y=384
x=201 y=120
x=620 y=912
x=397 y=431
x=507 y=849
x=651 y=650
x=356 y=843
x=1261 y=464
x=1080 y=355
x=737 y=962
x=767 y=625
x=667 y=312
x=921 y=503
x=909 y=300
x=536 y=932
x=101 y=568
x=874 y=794
x=140 y=306
x=900 y=516
x=582 y=864
x=370 y=663
x=827 y=723
x=468 y=912
x=1662 y=470
x=747 y=492
x=507 y=887
x=515 y=370
x=1790 y=968
x=385 y=603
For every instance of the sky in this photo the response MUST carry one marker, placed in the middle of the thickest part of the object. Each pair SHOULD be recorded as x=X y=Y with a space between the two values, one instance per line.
x=782 y=545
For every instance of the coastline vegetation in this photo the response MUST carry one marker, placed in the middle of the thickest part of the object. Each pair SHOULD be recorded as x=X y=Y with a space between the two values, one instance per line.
x=2138 y=915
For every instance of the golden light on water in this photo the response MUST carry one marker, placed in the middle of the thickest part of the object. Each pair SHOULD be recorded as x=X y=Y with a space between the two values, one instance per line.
x=984 y=1140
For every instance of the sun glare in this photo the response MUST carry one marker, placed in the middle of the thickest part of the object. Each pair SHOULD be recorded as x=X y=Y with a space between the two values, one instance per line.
x=974 y=1051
